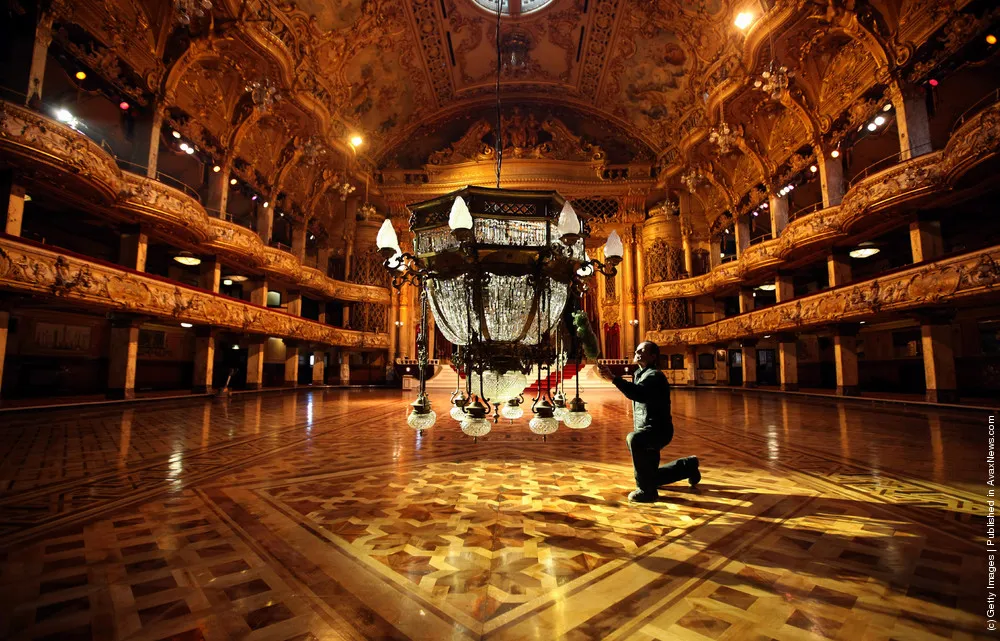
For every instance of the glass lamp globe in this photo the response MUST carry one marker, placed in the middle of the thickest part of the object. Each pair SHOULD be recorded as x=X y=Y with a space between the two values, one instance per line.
x=543 y=426
x=577 y=417
x=559 y=412
x=512 y=410
x=458 y=413
x=421 y=421
x=476 y=427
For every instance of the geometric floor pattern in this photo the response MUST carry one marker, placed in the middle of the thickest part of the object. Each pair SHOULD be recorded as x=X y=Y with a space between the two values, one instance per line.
x=320 y=515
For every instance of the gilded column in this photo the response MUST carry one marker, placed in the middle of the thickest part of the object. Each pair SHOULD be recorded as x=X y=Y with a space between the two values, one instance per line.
x=788 y=362
x=14 y=195
x=664 y=261
x=912 y=121
x=926 y=242
x=39 y=54
x=749 y=348
x=133 y=247
x=319 y=367
x=845 y=354
x=291 y=363
x=831 y=176
x=204 y=359
x=778 y=206
x=255 y=362
x=123 y=351
x=838 y=268
x=937 y=341
x=4 y=326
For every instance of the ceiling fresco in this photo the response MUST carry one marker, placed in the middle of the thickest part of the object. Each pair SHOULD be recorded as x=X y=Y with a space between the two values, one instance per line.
x=643 y=80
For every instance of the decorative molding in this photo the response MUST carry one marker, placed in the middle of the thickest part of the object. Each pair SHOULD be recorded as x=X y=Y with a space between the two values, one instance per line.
x=41 y=272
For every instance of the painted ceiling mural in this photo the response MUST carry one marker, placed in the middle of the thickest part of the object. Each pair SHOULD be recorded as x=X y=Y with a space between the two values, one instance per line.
x=642 y=80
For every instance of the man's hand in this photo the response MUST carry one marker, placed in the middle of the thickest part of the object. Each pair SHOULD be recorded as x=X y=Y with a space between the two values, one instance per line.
x=604 y=372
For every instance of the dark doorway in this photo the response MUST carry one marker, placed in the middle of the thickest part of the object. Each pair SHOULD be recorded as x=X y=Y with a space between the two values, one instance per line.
x=735 y=367
x=767 y=367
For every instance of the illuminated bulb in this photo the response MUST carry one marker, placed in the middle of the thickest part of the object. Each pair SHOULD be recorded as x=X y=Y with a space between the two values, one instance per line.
x=577 y=417
x=569 y=223
x=872 y=126
x=227 y=282
x=614 y=248
x=932 y=82
x=835 y=153
x=232 y=181
x=123 y=105
x=727 y=231
x=543 y=426
x=266 y=204
x=80 y=75
x=236 y=346
x=879 y=120
x=420 y=421
x=475 y=426
x=356 y=141
x=216 y=169
x=189 y=150
x=887 y=106
x=386 y=238
x=990 y=40
x=743 y=20
x=813 y=168
x=512 y=410
x=187 y=325
x=176 y=134
x=254 y=197
x=63 y=115
x=460 y=216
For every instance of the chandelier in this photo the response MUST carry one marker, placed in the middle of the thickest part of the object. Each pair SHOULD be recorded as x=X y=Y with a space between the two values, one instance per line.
x=345 y=189
x=186 y=9
x=723 y=137
x=692 y=179
x=502 y=270
x=263 y=94
x=313 y=150
x=774 y=80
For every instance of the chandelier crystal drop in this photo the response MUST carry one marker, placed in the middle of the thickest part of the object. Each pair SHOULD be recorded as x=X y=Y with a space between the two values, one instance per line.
x=723 y=137
x=692 y=179
x=774 y=80
x=263 y=93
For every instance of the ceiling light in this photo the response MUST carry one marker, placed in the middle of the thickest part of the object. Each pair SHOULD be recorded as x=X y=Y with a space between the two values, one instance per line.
x=176 y=134
x=27 y=198
x=63 y=115
x=756 y=213
x=280 y=213
x=266 y=204
x=879 y=120
x=990 y=40
x=887 y=107
x=767 y=336
x=216 y=169
x=227 y=282
x=185 y=146
x=933 y=82
x=767 y=287
x=864 y=250
x=189 y=150
x=312 y=237
x=861 y=323
x=80 y=75
x=187 y=325
x=236 y=346
x=755 y=294
x=872 y=126
x=237 y=278
x=123 y=105
x=254 y=197
x=357 y=141
x=835 y=153
x=727 y=231
x=743 y=20
x=232 y=181
x=187 y=258
x=813 y=168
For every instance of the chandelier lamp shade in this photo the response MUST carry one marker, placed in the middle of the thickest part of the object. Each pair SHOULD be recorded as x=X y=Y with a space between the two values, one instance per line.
x=503 y=271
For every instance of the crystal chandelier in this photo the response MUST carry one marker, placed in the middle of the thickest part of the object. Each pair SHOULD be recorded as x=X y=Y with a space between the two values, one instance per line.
x=263 y=94
x=723 y=137
x=186 y=9
x=500 y=268
x=313 y=150
x=774 y=80
x=692 y=179
x=345 y=189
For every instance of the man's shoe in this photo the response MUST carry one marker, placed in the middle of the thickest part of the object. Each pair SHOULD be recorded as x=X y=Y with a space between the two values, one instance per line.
x=638 y=496
x=695 y=477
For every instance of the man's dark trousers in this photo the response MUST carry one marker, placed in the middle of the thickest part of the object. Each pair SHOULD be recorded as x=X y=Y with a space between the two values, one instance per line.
x=645 y=446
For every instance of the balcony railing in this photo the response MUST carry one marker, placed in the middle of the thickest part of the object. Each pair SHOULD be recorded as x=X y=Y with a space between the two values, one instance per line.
x=756 y=240
x=160 y=176
x=891 y=161
x=282 y=246
x=989 y=99
x=805 y=211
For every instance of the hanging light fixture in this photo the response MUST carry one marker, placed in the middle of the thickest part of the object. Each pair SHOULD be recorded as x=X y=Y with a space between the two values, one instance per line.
x=263 y=93
x=187 y=9
x=187 y=258
x=864 y=250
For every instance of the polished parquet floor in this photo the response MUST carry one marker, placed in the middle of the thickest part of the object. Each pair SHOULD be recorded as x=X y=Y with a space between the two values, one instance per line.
x=321 y=515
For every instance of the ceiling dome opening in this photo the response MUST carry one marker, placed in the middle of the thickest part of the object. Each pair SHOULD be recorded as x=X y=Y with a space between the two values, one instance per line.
x=526 y=6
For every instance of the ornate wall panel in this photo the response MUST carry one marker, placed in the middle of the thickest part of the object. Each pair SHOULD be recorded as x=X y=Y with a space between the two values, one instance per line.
x=41 y=272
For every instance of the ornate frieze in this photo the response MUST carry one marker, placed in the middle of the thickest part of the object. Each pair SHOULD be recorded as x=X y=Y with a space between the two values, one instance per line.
x=944 y=282
x=41 y=272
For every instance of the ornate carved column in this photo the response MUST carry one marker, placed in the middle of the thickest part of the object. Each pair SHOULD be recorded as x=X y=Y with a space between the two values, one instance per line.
x=204 y=359
x=937 y=342
x=838 y=268
x=123 y=350
x=778 y=206
x=912 y=122
x=662 y=245
x=845 y=355
x=788 y=362
x=291 y=363
x=265 y=222
x=255 y=361
x=926 y=242
x=831 y=176
x=367 y=269
x=749 y=348
x=14 y=195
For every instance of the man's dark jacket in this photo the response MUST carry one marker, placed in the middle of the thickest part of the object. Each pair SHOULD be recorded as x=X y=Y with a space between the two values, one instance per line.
x=649 y=392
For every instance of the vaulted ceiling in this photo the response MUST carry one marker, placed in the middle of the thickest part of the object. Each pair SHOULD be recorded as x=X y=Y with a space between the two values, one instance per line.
x=644 y=79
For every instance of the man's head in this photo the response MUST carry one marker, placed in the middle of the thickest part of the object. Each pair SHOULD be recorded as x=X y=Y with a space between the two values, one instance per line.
x=646 y=354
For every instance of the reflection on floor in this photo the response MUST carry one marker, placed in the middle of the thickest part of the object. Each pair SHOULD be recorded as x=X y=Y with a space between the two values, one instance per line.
x=320 y=515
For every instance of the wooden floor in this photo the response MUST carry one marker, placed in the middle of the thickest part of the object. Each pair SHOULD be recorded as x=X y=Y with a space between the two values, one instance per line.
x=321 y=515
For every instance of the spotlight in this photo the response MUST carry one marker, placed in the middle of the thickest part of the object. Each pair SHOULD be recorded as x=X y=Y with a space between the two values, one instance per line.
x=80 y=75
x=933 y=82
x=743 y=20
x=879 y=120
x=756 y=213
x=813 y=168
x=187 y=325
x=357 y=141
x=189 y=150
x=266 y=204
x=872 y=126
x=227 y=282
x=887 y=107
x=835 y=153
x=280 y=213
x=185 y=146
x=176 y=134
x=63 y=115
x=861 y=323
x=123 y=105
x=312 y=237
x=254 y=197
x=236 y=346
x=216 y=169
x=990 y=40
x=727 y=231
x=232 y=181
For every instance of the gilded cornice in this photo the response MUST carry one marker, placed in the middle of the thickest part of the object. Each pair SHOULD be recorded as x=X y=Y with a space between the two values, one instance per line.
x=940 y=283
x=881 y=195
x=72 y=166
x=45 y=273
